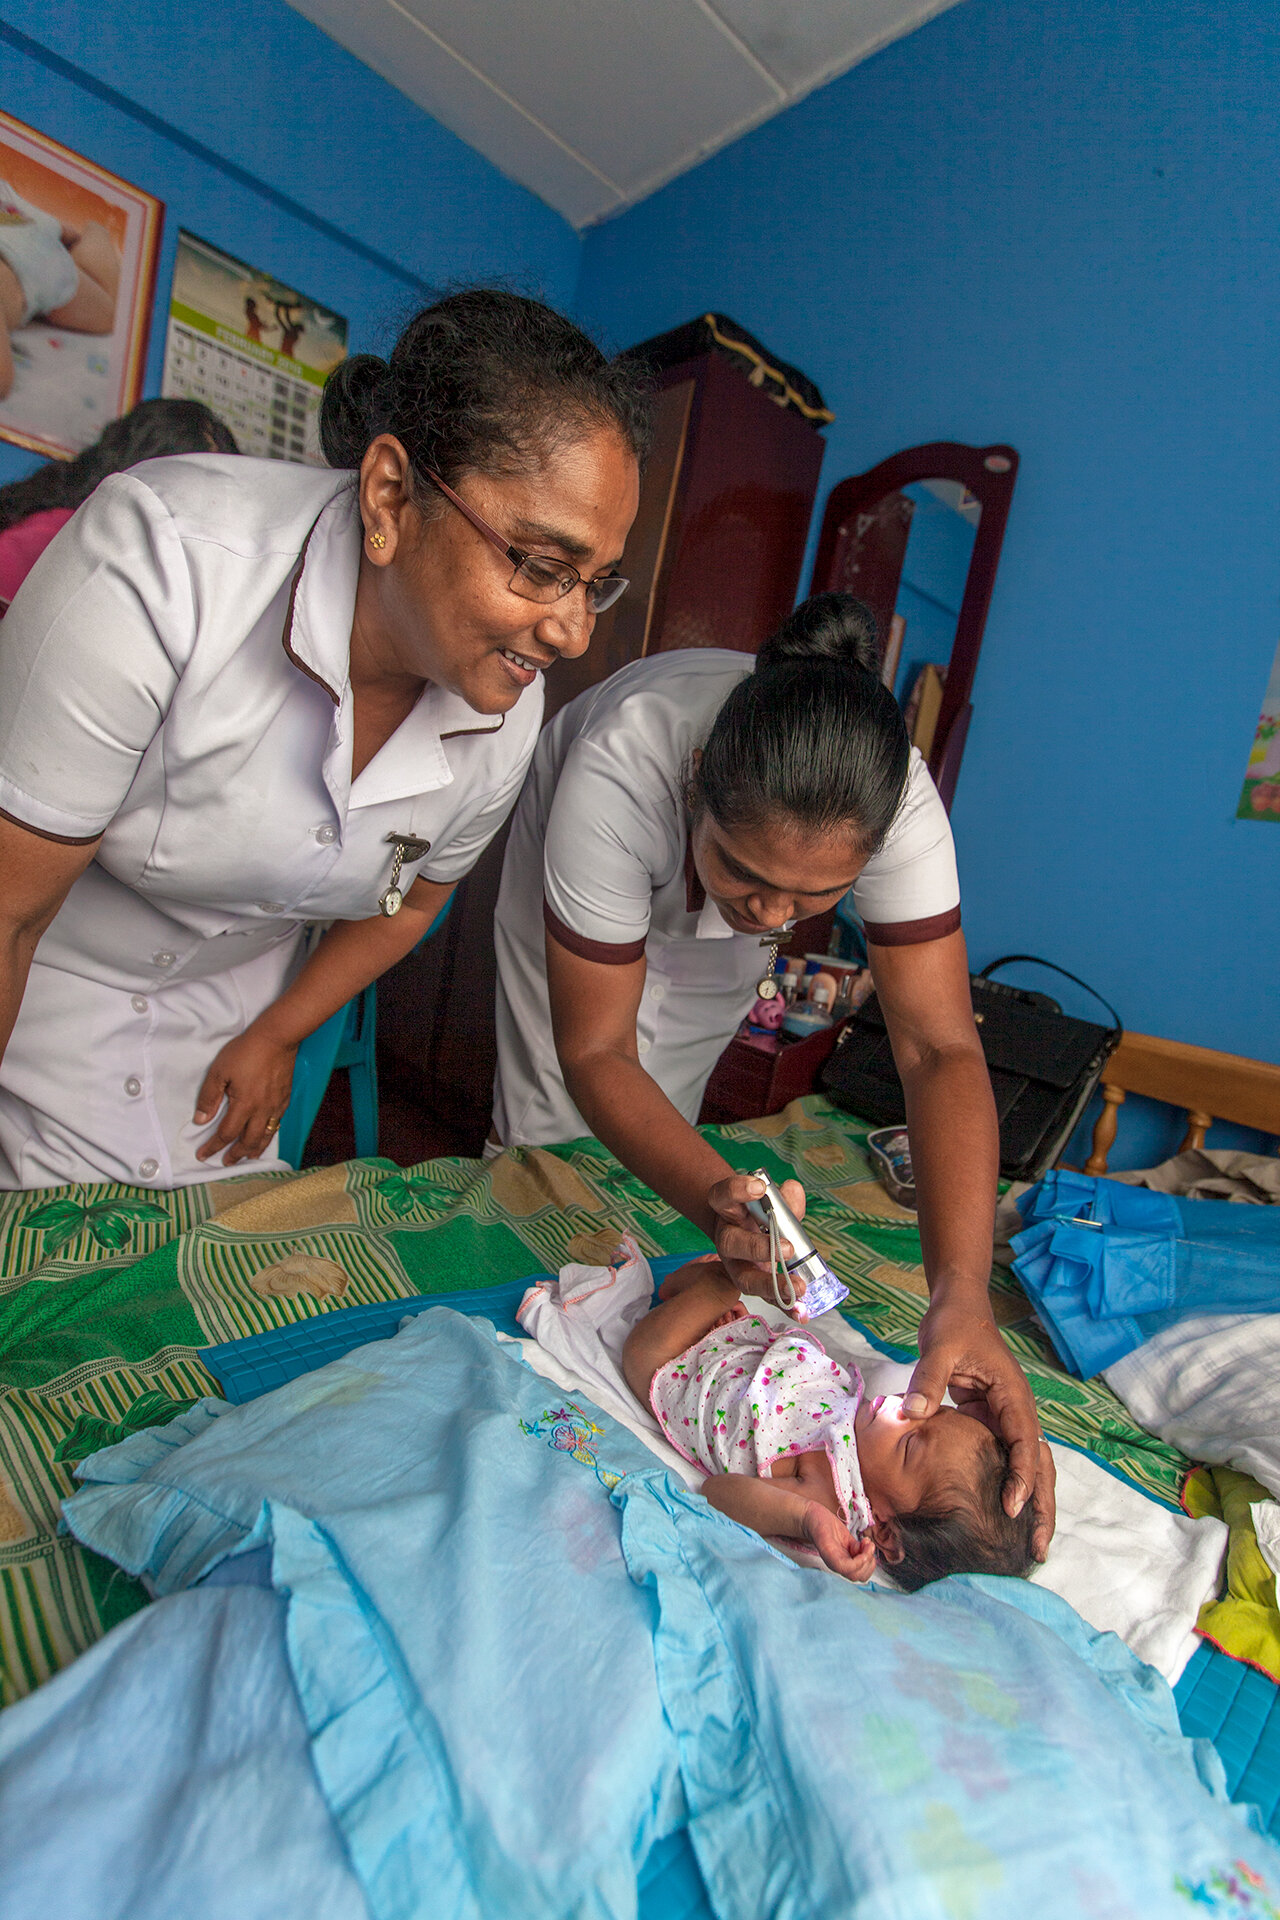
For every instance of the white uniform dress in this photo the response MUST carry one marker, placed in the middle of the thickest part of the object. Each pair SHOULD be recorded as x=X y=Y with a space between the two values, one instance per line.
x=599 y=856
x=174 y=675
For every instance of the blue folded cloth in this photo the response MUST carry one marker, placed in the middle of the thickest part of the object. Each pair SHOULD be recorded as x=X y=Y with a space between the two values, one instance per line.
x=1108 y=1265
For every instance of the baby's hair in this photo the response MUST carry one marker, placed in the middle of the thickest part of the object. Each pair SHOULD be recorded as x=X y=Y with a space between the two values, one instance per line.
x=975 y=1535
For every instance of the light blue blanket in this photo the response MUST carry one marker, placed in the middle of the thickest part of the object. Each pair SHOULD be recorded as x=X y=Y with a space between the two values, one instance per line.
x=517 y=1671
x=474 y=1664
x=167 y=1774
x=971 y=1752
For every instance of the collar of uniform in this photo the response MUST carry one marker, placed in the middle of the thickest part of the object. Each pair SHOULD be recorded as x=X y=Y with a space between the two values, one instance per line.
x=413 y=760
x=695 y=894
x=712 y=924
x=317 y=638
x=322 y=600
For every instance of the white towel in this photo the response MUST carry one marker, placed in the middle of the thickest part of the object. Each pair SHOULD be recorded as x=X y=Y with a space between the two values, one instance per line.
x=1211 y=1385
x=1266 y=1524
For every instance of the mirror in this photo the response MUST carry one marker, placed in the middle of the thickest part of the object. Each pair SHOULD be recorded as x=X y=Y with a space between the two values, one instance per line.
x=916 y=651
x=918 y=539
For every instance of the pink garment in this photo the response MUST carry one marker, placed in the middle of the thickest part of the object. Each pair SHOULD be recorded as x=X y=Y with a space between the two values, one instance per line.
x=744 y=1396
x=22 y=545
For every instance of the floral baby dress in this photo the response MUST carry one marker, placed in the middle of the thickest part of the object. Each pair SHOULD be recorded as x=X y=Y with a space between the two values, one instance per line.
x=745 y=1396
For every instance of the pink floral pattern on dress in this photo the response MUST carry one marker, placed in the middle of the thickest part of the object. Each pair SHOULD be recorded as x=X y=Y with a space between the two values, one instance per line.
x=744 y=1396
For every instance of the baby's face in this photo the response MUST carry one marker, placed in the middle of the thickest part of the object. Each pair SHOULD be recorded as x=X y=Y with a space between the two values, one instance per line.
x=906 y=1463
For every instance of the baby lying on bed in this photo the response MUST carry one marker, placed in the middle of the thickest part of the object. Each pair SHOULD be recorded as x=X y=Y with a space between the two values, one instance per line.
x=795 y=1451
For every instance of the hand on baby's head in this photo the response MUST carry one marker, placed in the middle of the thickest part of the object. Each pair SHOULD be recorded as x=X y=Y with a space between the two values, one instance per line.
x=935 y=1487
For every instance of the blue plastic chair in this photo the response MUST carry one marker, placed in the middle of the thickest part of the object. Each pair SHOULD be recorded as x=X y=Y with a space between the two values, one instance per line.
x=347 y=1039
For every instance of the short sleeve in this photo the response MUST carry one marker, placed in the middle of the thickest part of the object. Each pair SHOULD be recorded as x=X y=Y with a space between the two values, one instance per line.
x=610 y=840
x=90 y=653
x=910 y=891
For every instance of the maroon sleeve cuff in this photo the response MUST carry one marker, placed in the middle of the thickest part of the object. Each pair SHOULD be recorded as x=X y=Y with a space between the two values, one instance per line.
x=911 y=933
x=41 y=833
x=604 y=952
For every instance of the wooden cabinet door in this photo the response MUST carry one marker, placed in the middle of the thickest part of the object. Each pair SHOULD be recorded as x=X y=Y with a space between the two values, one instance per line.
x=731 y=567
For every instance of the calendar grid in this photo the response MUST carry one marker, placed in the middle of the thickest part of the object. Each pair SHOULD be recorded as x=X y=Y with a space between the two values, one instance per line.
x=265 y=384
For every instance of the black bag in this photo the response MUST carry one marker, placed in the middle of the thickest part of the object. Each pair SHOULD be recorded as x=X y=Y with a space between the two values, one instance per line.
x=1044 y=1065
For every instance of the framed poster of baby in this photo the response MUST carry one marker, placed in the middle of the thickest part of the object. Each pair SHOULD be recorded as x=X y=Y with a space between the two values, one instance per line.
x=78 y=252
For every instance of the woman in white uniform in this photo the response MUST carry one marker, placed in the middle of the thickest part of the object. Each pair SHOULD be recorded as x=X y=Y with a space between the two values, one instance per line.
x=240 y=698
x=674 y=820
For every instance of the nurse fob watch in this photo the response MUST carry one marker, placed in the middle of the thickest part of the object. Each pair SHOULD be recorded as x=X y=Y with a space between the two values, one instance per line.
x=767 y=986
x=407 y=847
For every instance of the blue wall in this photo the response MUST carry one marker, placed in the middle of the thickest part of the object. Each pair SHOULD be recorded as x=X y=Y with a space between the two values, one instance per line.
x=1053 y=222
x=263 y=136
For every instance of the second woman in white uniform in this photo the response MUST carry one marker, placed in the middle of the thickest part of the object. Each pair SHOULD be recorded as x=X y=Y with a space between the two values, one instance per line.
x=238 y=698
x=673 y=819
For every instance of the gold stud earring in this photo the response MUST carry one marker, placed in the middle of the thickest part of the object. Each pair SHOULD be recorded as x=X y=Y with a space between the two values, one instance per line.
x=378 y=539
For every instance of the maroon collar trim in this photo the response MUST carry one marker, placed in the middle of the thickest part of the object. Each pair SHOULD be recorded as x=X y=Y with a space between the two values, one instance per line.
x=459 y=732
x=695 y=894
x=287 y=635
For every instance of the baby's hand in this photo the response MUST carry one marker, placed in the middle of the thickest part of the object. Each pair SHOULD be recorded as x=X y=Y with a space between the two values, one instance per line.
x=851 y=1559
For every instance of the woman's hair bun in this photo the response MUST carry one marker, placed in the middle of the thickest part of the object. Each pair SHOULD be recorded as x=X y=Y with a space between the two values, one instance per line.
x=812 y=736
x=352 y=407
x=830 y=626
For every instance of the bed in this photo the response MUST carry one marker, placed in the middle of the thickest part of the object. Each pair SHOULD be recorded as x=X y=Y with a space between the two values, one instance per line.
x=118 y=1308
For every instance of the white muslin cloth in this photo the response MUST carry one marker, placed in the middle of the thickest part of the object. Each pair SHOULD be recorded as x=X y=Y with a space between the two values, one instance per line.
x=1211 y=1385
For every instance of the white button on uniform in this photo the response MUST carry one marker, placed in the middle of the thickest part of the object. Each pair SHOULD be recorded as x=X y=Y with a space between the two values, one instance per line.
x=149 y=1169
x=326 y=835
x=642 y=1046
x=657 y=992
x=139 y=1003
x=271 y=906
x=163 y=959
x=133 y=1087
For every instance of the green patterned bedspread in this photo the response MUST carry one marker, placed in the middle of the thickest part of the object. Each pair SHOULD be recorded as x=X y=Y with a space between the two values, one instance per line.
x=107 y=1293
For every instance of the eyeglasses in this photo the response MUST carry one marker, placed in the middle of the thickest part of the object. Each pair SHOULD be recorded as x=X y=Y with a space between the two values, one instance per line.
x=537 y=576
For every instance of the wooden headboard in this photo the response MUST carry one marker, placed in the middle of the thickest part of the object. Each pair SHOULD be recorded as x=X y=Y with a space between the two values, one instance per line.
x=1208 y=1085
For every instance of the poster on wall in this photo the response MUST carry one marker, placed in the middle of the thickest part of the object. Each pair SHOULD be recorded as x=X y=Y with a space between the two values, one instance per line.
x=1260 y=795
x=77 y=280
x=254 y=350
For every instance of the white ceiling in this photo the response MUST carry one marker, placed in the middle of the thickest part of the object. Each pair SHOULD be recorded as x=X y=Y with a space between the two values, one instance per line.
x=592 y=104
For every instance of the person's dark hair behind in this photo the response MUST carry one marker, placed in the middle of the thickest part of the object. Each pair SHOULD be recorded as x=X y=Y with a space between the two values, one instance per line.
x=975 y=1537
x=147 y=432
